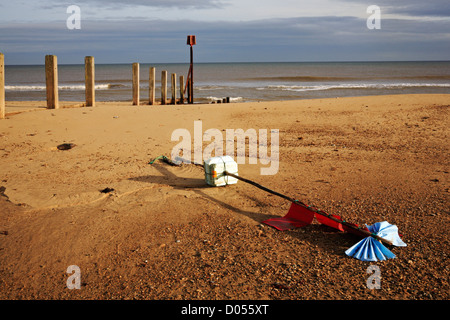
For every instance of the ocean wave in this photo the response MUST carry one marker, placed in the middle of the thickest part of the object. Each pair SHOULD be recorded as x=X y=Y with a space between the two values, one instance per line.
x=211 y=87
x=355 y=86
x=61 y=87
x=300 y=78
x=345 y=78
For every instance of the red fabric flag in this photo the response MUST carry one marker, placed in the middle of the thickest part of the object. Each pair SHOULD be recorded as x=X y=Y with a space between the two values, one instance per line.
x=296 y=217
x=329 y=222
x=349 y=227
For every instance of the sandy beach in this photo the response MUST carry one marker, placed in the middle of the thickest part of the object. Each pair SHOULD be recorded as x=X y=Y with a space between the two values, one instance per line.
x=159 y=232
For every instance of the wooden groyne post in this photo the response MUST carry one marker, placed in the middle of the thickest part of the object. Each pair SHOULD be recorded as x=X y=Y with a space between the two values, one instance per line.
x=174 y=88
x=136 y=85
x=2 y=86
x=89 y=75
x=188 y=90
x=163 y=87
x=51 y=75
x=181 y=89
x=151 y=86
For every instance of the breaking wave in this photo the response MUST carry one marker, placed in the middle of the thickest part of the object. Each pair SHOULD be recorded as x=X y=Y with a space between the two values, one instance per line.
x=61 y=87
x=354 y=86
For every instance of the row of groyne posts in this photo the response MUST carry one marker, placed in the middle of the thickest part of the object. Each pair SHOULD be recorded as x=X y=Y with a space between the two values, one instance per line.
x=51 y=76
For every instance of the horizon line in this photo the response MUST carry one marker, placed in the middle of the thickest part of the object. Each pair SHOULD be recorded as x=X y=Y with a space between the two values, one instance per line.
x=237 y=62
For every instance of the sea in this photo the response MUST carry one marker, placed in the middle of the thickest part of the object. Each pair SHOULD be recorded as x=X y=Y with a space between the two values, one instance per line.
x=240 y=82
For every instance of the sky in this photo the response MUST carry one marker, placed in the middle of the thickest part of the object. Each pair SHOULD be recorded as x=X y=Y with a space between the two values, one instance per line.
x=155 y=31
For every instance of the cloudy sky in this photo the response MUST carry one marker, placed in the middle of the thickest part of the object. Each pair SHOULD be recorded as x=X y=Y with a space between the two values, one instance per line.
x=154 y=31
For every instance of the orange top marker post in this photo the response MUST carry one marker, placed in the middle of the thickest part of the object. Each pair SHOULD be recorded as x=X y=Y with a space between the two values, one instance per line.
x=191 y=41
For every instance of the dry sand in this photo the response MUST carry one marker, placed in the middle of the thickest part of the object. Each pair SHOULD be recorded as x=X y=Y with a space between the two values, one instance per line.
x=163 y=234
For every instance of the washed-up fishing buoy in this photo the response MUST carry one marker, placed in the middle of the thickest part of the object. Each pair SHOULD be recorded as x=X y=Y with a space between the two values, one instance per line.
x=222 y=171
x=216 y=169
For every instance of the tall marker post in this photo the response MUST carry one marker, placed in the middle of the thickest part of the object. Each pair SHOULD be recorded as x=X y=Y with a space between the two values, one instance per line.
x=2 y=86
x=191 y=41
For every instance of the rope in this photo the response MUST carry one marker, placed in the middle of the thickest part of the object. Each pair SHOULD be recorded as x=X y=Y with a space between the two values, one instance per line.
x=166 y=160
x=157 y=158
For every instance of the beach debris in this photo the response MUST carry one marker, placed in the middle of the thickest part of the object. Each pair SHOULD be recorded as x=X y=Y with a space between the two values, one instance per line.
x=368 y=249
x=222 y=100
x=371 y=248
x=2 y=192
x=280 y=286
x=107 y=190
x=66 y=146
x=166 y=160
x=215 y=169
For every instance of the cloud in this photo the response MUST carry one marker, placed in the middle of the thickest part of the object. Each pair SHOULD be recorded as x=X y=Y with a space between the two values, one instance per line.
x=198 y=4
x=414 y=8
x=283 y=39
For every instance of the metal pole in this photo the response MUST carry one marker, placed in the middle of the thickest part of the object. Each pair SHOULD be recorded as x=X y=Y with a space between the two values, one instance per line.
x=2 y=86
x=191 y=41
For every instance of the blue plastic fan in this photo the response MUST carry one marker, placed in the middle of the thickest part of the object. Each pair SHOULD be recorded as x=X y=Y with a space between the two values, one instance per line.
x=370 y=249
x=387 y=231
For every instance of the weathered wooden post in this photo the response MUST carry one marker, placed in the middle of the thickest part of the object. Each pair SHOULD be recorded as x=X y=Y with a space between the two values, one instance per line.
x=174 y=88
x=89 y=75
x=2 y=86
x=181 y=89
x=136 y=85
x=188 y=85
x=51 y=75
x=151 y=86
x=163 y=87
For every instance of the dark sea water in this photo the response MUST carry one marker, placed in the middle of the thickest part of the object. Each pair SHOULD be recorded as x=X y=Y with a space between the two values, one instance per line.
x=242 y=82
